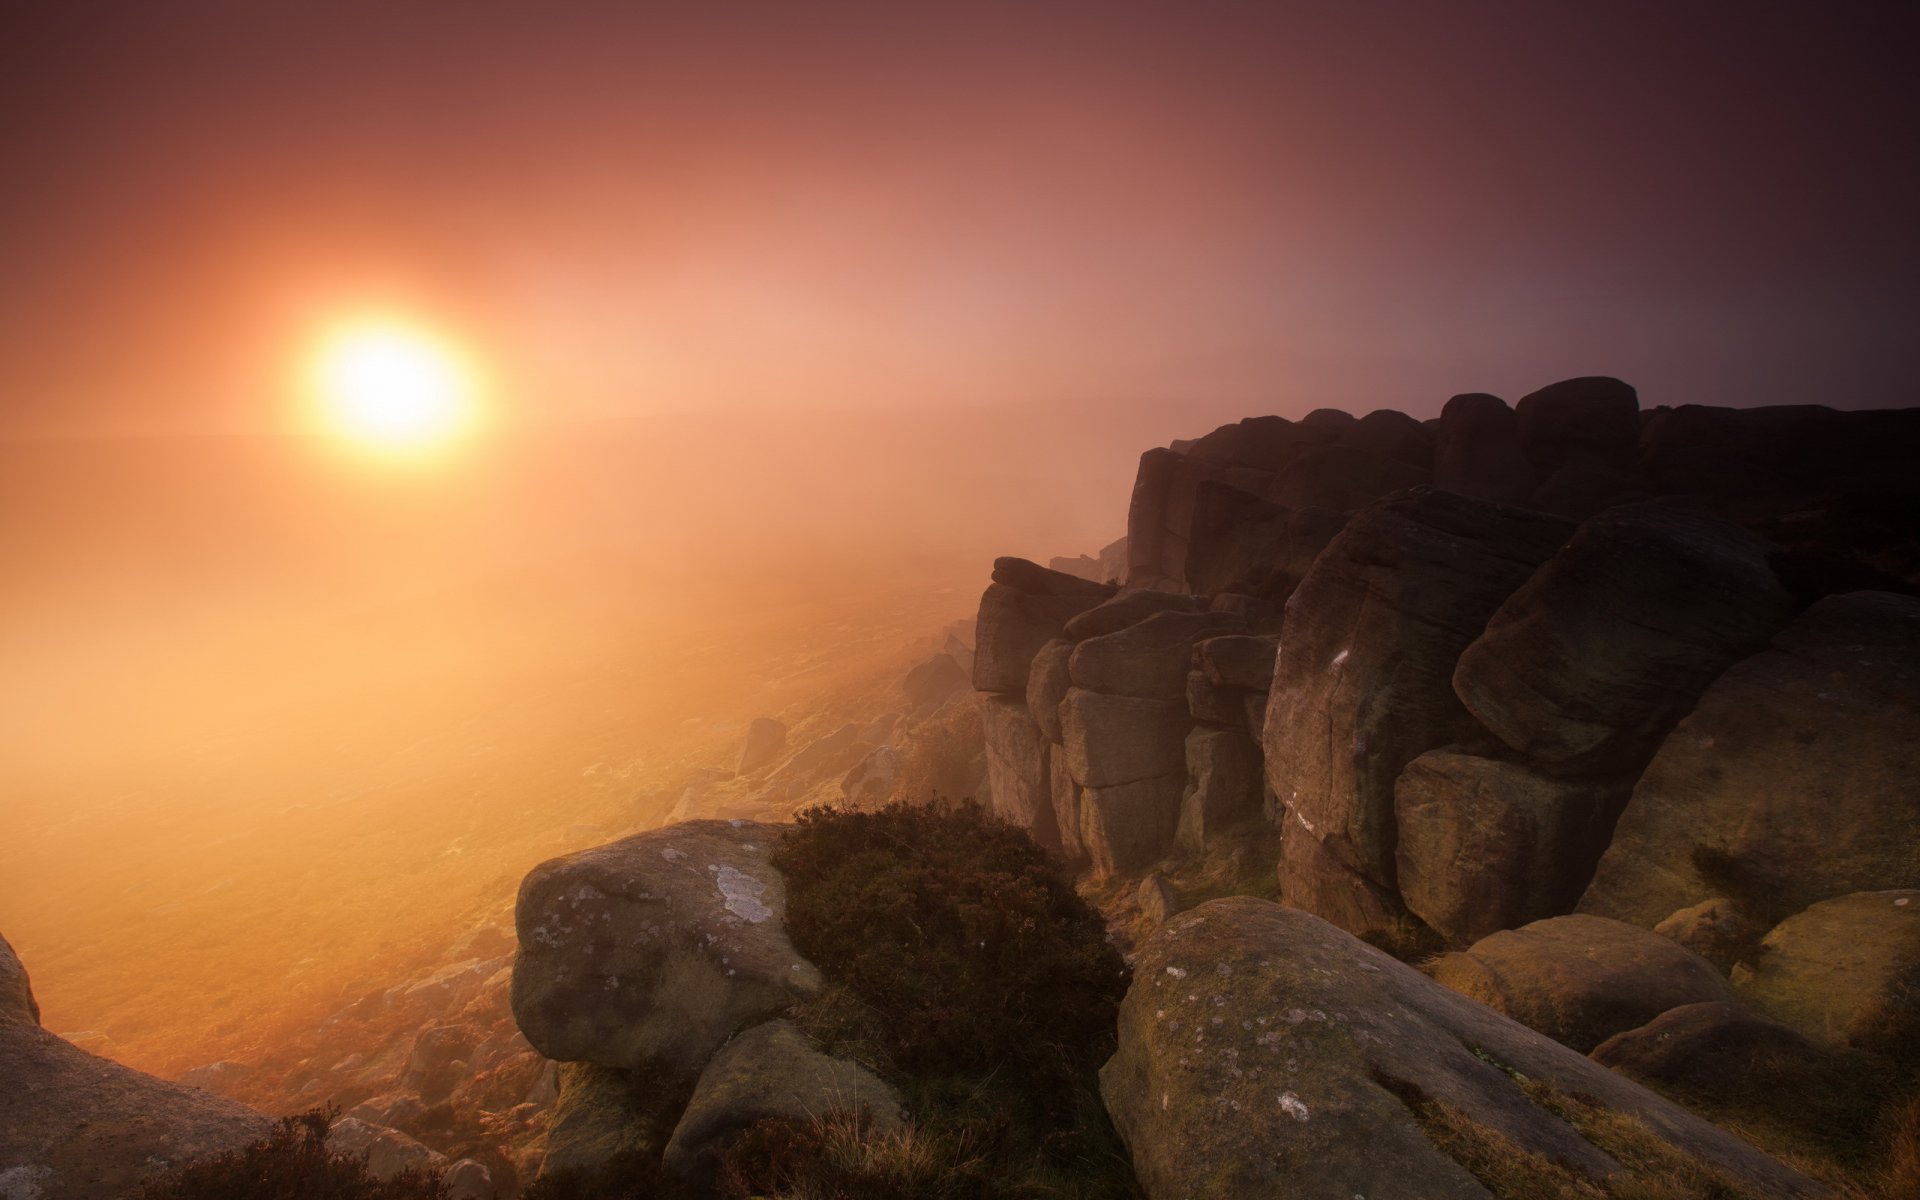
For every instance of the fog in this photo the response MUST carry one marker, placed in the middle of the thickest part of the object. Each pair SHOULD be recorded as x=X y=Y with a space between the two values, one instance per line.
x=279 y=720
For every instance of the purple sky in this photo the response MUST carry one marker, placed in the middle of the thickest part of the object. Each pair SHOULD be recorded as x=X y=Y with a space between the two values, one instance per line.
x=637 y=207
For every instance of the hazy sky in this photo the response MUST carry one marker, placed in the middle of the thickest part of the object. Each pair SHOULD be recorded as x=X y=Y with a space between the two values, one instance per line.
x=643 y=207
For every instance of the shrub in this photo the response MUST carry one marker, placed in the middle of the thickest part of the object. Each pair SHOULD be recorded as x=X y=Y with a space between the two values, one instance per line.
x=292 y=1163
x=969 y=971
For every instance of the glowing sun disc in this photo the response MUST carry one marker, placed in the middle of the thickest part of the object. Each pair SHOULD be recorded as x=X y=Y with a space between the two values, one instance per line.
x=391 y=388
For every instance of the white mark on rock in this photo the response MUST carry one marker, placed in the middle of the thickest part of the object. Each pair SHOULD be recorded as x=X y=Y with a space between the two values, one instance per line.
x=742 y=893
x=1304 y=821
x=1177 y=972
x=1338 y=659
x=673 y=854
x=1292 y=1106
x=1902 y=902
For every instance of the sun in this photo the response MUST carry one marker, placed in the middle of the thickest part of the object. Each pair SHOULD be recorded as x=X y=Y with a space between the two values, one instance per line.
x=394 y=388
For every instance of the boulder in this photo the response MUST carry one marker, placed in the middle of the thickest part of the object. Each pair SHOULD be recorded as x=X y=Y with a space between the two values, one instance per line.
x=1263 y=1052
x=1591 y=419
x=1589 y=665
x=1846 y=972
x=1791 y=782
x=77 y=1127
x=1486 y=845
x=1784 y=452
x=1126 y=827
x=1018 y=775
x=1047 y=684
x=1242 y=542
x=602 y=1114
x=1223 y=785
x=1066 y=810
x=469 y=1179
x=1265 y=443
x=1712 y=1047
x=1032 y=579
x=870 y=784
x=1156 y=899
x=1343 y=478
x=771 y=1071
x=1391 y=434
x=1128 y=608
x=650 y=952
x=1014 y=624
x=388 y=1151
x=1215 y=705
x=933 y=681
x=16 y=991
x=1240 y=661
x=1478 y=451
x=1158 y=516
x=1580 y=979
x=1716 y=930
x=1363 y=681
x=1116 y=740
x=1149 y=659
x=1579 y=490
x=766 y=742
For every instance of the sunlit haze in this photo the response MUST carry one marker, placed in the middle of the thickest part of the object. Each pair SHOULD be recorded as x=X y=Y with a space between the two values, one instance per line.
x=394 y=388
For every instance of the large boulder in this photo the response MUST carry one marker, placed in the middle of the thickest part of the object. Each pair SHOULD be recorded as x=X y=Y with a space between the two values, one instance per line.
x=1241 y=661
x=1151 y=659
x=1342 y=477
x=77 y=1127
x=388 y=1151
x=1392 y=434
x=16 y=991
x=766 y=741
x=1025 y=607
x=1363 y=681
x=1478 y=451
x=1790 y=782
x=650 y=952
x=1244 y=543
x=1846 y=972
x=1593 y=419
x=1128 y=608
x=1223 y=785
x=771 y=1071
x=1263 y=1052
x=1115 y=740
x=1589 y=665
x=1580 y=979
x=1126 y=827
x=1018 y=776
x=1047 y=684
x=1713 y=1047
x=1486 y=844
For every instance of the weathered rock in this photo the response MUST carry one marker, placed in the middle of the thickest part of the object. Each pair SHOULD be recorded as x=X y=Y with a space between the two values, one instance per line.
x=1035 y=580
x=387 y=1151
x=1478 y=451
x=16 y=990
x=1712 y=1047
x=1129 y=826
x=1579 y=490
x=1589 y=665
x=1018 y=774
x=766 y=742
x=222 y=1077
x=469 y=1179
x=1223 y=785
x=1343 y=478
x=771 y=1071
x=602 y=1114
x=1846 y=972
x=1790 y=782
x=1239 y=660
x=1391 y=434
x=933 y=681
x=821 y=759
x=1116 y=740
x=1591 y=419
x=1264 y=443
x=1783 y=451
x=1486 y=845
x=438 y=1059
x=1047 y=684
x=77 y=1127
x=1066 y=809
x=1013 y=625
x=1262 y=1052
x=1158 y=516
x=649 y=952
x=1580 y=979
x=1313 y=880
x=1245 y=543
x=1716 y=930
x=1156 y=899
x=1363 y=680
x=1128 y=608
x=1209 y=702
x=1150 y=659
x=870 y=784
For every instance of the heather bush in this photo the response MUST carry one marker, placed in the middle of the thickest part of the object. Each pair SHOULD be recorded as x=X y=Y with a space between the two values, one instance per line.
x=292 y=1163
